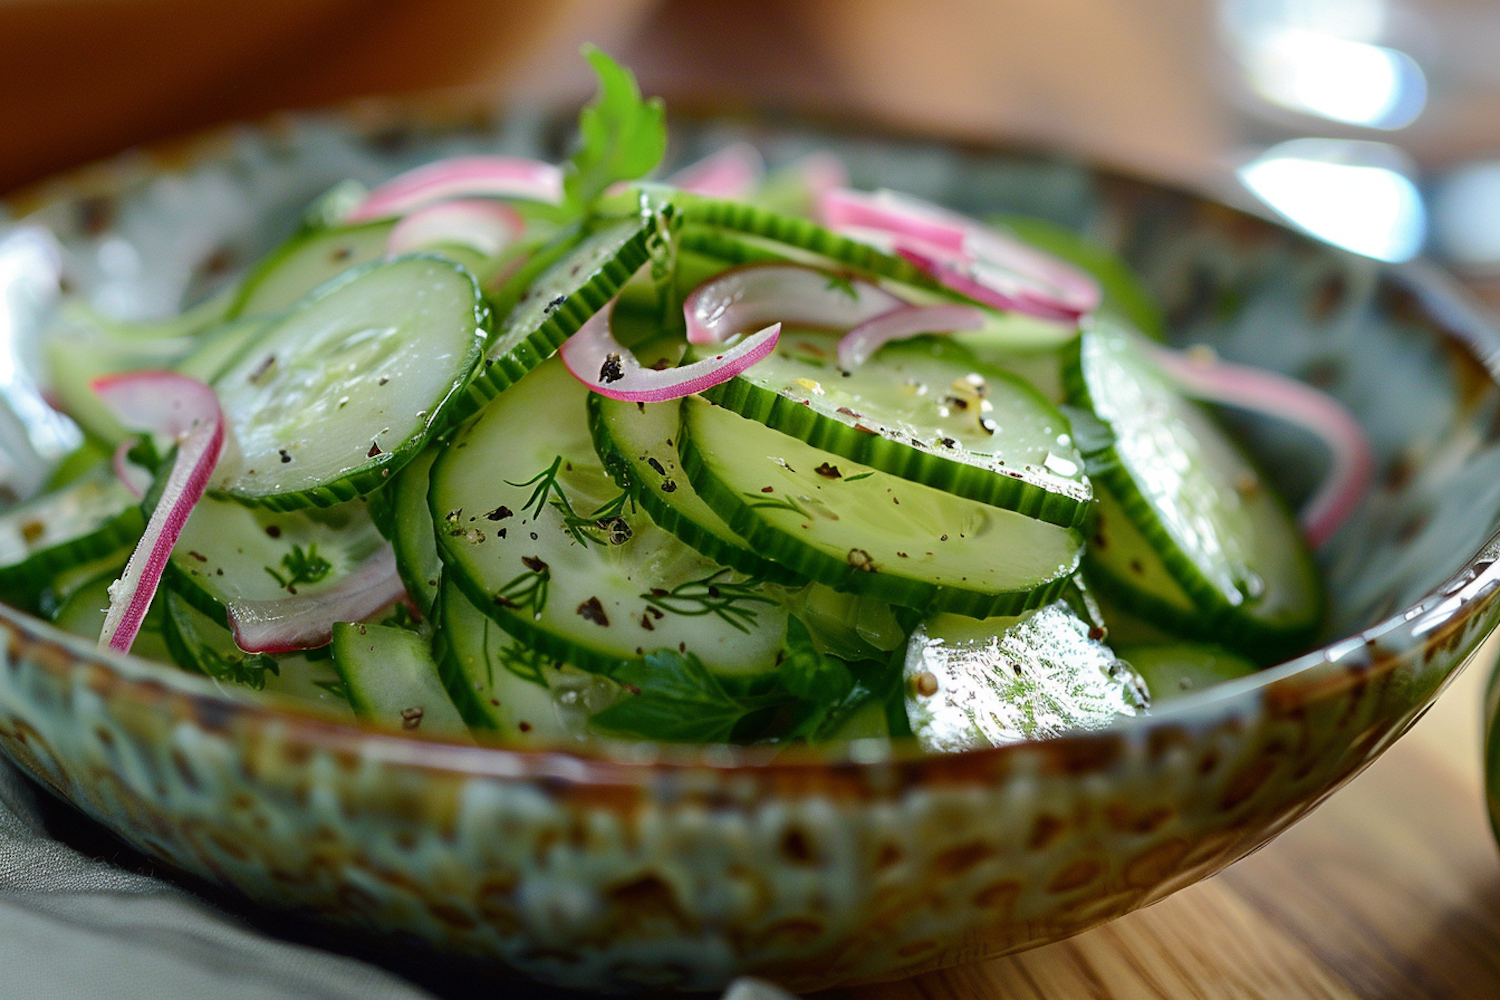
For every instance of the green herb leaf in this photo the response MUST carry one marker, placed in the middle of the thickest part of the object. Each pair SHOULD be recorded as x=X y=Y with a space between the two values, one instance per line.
x=674 y=698
x=809 y=674
x=301 y=567
x=622 y=137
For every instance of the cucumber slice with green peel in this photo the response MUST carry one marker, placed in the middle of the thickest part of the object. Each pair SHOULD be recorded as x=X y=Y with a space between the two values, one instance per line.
x=347 y=387
x=638 y=445
x=83 y=611
x=89 y=518
x=304 y=262
x=974 y=684
x=798 y=234
x=390 y=678
x=1221 y=533
x=855 y=528
x=533 y=255
x=228 y=553
x=1128 y=569
x=534 y=531
x=922 y=410
x=199 y=644
x=560 y=300
x=504 y=686
x=1177 y=669
x=411 y=532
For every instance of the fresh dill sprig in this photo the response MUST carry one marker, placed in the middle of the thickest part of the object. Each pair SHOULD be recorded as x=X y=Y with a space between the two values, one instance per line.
x=527 y=591
x=249 y=669
x=760 y=501
x=302 y=566
x=711 y=595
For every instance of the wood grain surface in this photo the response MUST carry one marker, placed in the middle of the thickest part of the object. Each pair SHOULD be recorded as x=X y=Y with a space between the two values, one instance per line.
x=1391 y=889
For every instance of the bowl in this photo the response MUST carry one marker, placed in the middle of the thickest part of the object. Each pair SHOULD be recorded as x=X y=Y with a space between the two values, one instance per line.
x=682 y=867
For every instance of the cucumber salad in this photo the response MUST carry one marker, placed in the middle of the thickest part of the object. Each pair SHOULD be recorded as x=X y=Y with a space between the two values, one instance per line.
x=530 y=453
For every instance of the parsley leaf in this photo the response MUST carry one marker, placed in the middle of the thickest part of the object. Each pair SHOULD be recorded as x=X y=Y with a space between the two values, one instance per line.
x=673 y=697
x=622 y=136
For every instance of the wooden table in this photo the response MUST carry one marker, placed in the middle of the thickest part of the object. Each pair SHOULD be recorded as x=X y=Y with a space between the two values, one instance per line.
x=1390 y=890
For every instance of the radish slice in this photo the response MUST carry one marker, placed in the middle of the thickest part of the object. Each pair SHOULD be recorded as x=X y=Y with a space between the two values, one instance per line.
x=461 y=177
x=758 y=294
x=134 y=478
x=973 y=259
x=306 y=622
x=1201 y=374
x=486 y=226
x=856 y=346
x=598 y=361
x=732 y=172
x=187 y=411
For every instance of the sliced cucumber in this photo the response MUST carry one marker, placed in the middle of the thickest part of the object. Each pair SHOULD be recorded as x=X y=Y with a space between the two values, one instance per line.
x=1222 y=534
x=923 y=410
x=390 y=678
x=861 y=530
x=216 y=350
x=411 y=531
x=306 y=261
x=89 y=518
x=346 y=388
x=83 y=611
x=198 y=644
x=228 y=553
x=532 y=529
x=1175 y=670
x=973 y=684
x=560 y=300
x=638 y=445
x=502 y=685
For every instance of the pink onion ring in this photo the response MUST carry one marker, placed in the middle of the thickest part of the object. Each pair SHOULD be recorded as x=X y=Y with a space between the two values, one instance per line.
x=188 y=411
x=306 y=621
x=131 y=476
x=461 y=177
x=1201 y=374
x=966 y=256
x=856 y=346
x=486 y=226
x=598 y=361
x=732 y=172
x=758 y=294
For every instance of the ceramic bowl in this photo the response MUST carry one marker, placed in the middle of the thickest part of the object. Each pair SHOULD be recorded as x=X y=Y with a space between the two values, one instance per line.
x=683 y=867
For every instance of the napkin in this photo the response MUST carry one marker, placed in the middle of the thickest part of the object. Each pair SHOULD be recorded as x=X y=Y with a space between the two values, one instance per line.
x=75 y=926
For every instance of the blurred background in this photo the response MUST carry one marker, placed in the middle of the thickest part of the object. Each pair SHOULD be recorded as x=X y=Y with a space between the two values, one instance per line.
x=1373 y=123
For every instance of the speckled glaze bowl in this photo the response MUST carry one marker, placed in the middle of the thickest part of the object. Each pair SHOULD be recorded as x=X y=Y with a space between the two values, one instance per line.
x=683 y=867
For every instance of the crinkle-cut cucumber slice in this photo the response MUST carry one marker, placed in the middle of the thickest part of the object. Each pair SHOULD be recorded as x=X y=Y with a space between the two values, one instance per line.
x=390 y=678
x=199 y=644
x=228 y=553
x=305 y=261
x=534 y=531
x=1177 y=669
x=923 y=410
x=346 y=388
x=561 y=299
x=858 y=529
x=90 y=517
x=82 y=613
x=638 y=445
x=502 y=685
x=1220 y=531
x=973 y=684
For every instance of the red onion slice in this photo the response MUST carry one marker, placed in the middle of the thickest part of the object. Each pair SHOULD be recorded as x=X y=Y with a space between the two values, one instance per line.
x=461 y=177
x=598 y=361
x=131 y=476
x=188 y=411
x=759 y=294
x=732 y=172
x=1201 y=374
x=306 y=621
x=856 y=346
x=486 y=226
x=966 y=256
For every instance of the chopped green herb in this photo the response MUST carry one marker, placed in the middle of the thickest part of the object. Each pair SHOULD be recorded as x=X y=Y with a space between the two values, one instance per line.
x=712 y=595
x=622 y=136
x=301 y=567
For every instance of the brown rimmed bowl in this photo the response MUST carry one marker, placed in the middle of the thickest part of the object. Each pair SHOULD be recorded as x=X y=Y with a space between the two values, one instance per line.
x=684 y=867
